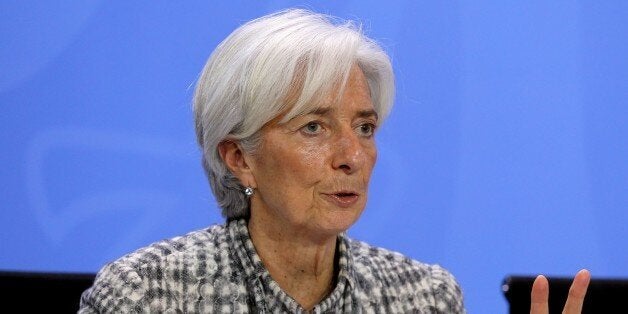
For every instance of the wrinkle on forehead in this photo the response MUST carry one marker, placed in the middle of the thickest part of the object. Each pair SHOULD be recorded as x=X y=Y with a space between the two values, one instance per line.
x=325 y=97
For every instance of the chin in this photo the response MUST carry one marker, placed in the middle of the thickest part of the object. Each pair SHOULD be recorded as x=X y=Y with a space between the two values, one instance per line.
x=340 y=221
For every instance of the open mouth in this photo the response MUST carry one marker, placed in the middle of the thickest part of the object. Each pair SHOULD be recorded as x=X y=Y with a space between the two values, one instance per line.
x=343 y=199
x=345 y=194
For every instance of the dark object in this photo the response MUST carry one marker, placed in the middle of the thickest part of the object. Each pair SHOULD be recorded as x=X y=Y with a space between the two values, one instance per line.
x=43 y=292
x=603 y=295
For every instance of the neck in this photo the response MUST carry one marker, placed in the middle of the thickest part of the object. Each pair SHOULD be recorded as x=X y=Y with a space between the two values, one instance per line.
x=302 y=266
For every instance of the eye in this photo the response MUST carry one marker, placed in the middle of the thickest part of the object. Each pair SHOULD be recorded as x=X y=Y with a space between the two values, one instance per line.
x=366 y=129
x=312 y=128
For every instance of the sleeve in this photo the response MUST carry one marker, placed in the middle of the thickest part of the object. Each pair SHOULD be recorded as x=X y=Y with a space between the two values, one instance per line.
x=447 y=293
x=115 y=290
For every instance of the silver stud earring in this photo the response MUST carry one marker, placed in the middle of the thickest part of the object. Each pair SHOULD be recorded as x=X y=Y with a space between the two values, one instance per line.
x=248 y=191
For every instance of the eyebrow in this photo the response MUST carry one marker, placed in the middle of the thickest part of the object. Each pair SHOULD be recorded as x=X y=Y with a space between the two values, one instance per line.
x=322 y=111
x=368 y=114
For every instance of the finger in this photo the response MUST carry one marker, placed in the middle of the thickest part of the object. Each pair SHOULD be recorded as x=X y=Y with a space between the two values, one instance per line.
x=577 y=292
x=539 y=296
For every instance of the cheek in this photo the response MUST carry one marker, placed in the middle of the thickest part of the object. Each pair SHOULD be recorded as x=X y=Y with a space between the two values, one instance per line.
x=371 y=158
x=294 y=166
x=307 y=164
x=314 y=156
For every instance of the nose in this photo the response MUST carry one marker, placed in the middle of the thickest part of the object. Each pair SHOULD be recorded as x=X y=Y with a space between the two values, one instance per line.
x=349 y=153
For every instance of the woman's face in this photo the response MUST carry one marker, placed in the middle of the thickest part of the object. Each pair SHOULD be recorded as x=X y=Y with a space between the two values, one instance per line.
x=312 y=173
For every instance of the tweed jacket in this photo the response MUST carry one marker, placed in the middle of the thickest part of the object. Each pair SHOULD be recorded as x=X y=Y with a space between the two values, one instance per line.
x=217 y=270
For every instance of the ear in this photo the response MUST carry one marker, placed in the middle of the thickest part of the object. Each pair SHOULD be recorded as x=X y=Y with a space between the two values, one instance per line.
x=235 y=160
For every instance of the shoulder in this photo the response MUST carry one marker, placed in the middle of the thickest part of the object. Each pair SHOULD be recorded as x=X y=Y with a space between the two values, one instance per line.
x=193 y=247
x=164 y=269
x=425 y=285
x=388 y=263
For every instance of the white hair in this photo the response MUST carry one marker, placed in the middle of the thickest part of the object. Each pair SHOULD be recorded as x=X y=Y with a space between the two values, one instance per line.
x=283 y=63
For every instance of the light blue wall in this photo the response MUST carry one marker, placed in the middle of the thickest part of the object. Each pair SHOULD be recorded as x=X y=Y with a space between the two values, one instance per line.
x=506 y=151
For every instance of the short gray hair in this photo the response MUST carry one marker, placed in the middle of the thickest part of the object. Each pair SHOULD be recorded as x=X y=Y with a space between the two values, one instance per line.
x=282 y=63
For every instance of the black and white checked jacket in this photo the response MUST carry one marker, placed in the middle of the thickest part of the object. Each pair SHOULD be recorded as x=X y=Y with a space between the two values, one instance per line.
x=217 y=270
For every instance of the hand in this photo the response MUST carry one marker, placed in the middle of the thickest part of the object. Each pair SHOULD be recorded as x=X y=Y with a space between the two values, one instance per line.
x=573 y=305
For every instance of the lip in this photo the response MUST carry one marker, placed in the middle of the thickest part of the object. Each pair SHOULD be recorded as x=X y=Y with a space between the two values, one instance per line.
x=343 y=199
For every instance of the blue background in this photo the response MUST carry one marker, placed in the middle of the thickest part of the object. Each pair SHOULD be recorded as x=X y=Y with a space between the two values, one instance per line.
x=505 y=153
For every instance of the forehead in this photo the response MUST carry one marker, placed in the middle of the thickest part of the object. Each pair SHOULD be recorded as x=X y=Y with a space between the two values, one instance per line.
x=353 y=93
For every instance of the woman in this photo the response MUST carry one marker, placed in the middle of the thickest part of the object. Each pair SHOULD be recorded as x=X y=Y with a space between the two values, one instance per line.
x=286 y=110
